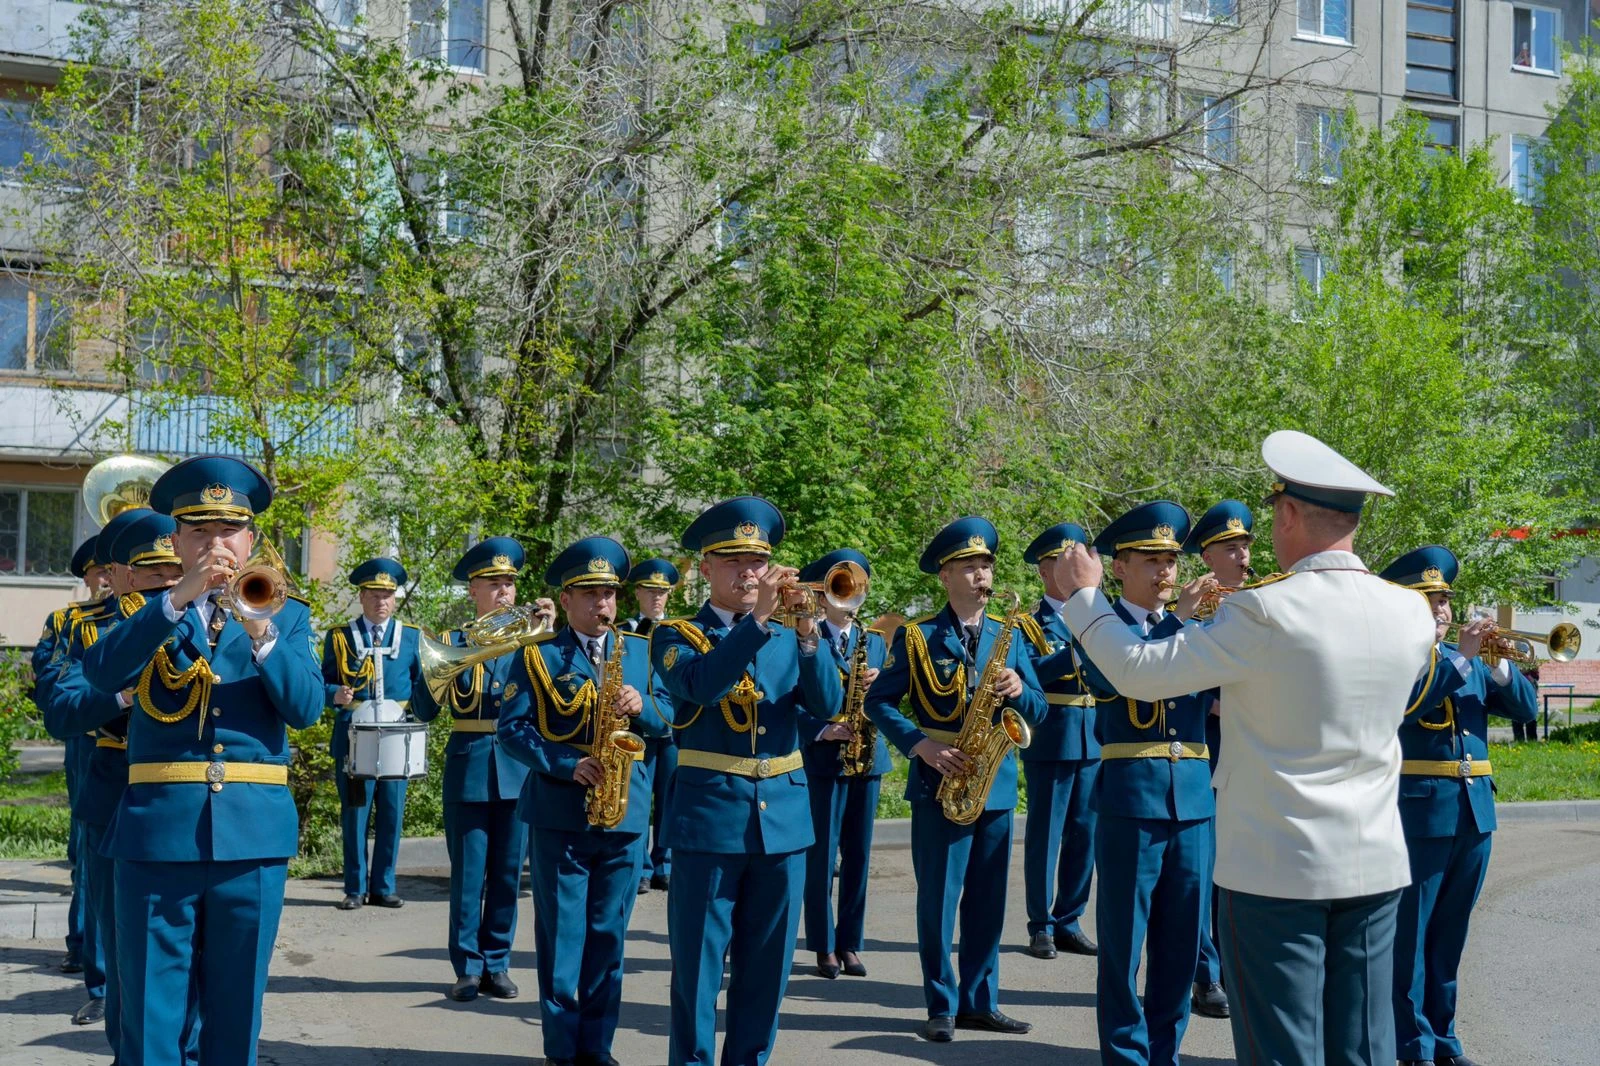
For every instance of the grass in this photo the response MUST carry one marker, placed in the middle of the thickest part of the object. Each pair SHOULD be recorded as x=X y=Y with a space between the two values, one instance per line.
x=34 y=818
x=1567 y=766
x=39 y=789
x=892 y=802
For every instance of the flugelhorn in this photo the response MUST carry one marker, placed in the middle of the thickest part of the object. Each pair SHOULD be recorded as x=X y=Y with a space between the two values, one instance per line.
x=843 y=587
x=1519 y=646
x=503 y=630
x=119 y=484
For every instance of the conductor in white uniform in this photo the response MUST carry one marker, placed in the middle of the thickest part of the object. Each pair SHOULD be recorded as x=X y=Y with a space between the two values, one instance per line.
x=1316 y=667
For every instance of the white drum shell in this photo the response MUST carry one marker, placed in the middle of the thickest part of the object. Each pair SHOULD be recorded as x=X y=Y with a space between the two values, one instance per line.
x=368 y=711
x=388 y=750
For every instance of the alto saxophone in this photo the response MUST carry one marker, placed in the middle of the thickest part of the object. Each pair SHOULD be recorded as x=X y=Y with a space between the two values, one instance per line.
x=988 y=733
x=856 y=754
x=615 y=746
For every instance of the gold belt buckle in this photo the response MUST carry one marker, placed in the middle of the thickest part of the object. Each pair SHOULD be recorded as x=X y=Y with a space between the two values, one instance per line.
x=215 y=772
x=1464 y=767
x=1175 y=749
x=763 y=768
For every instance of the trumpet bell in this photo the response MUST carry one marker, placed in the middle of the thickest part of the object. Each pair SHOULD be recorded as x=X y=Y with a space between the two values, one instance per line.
x=119 y=484
x=845 y=585
x=259 y=588
x=1564 y=642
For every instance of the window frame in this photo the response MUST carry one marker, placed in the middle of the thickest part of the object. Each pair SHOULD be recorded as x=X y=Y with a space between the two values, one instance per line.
x=1301 y=251
x=442 y=27
x=1554 y=71
x=1206 y=18
x=1207 y=102
x=1454 y=40
x=1326 y=146
x=1321 y=34
x=1532 y=146
x=23 y=575
x=34 y=334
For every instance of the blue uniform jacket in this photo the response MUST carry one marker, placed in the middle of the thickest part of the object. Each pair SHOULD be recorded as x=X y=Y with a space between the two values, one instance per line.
x=547 y=724
x=343 y=665
x=1447 y=724
x=738 y=692
x=937 y=677
x=1066 y=734
x=822 y=757
x=76 y=708
x=1156 y=788
x=477 y=769
x=196 y=704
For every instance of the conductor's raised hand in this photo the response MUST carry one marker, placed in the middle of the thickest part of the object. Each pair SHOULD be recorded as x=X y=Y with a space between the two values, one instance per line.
x=1079 y=567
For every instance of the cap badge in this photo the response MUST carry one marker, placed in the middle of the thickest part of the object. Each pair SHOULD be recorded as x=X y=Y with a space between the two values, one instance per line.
x=1236 y=524
x=1433 y=573
x=977 y=541
x=217 y=494
x=747 y=530
x=163 y=543
x=599 y=565
x=502 y=561
x=1162 y=532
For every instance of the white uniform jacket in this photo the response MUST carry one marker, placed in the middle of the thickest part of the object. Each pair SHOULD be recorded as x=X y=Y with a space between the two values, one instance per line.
x=1316 y=670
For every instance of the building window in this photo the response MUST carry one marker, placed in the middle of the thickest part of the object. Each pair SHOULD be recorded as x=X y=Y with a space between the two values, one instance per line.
x=341 y=14
x=1314 y=268
x=1535 y=39
x=452 y=32
x=1218 y=140
x=1222 y=267
x=1317 y=143
x=1211 y=10
x=1443 y=133
x=1431 y=47
x=36 y=532
x=21 y=141
x=1326 y=19
x=35 y=328
x=1527 y=177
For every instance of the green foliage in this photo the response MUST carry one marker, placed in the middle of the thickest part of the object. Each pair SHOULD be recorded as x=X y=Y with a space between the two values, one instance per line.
x=34 y=832
x=19 y=719
x=1554 y=770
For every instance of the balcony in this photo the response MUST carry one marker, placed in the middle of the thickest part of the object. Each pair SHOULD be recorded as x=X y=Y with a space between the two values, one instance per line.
x=196 y=426
x=39 y=29
x=1145 y=19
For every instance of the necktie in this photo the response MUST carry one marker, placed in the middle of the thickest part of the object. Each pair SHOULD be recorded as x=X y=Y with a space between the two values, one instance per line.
x=969 y=640
x=377 y=635
x=219 y=618
x=738 y=616
x=597 y=655
x=842 y=642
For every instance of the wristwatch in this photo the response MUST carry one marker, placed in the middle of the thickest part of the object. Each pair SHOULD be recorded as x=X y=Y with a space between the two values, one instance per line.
x=267 y=637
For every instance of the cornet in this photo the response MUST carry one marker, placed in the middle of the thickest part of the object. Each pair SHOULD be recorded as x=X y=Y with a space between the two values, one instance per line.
x=1563 y=643
x=843 y=587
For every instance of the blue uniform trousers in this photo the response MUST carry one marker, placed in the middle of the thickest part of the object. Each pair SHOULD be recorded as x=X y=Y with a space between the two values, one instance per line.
x=660 y=764
x=1310 y=981
x=1209 y=968
x=843 y=812
x=100 y=889
x=961 y=866
x=485 y=841
x=184 y=927
x=357 y=797
x=584 y=885
x=745 y=908
x=1430 y=934
x=1058 y=842
x=85 y=939
x=1154 y=875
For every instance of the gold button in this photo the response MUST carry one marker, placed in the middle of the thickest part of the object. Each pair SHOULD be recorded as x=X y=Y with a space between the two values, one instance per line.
x=763 y=804
x=216 y=786
x=216 y=679
x=495 y=685
x=1172 y=732
x=216 y=749
x=761 y=730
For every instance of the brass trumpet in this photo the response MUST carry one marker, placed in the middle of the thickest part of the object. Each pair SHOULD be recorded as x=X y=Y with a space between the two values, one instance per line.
x=258 y=588
x=1562 y=642
x=843 y=587
x=495 y=634
x=1211 y=599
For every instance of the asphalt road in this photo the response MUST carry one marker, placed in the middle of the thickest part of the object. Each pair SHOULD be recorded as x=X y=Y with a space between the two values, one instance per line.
x=367 y=988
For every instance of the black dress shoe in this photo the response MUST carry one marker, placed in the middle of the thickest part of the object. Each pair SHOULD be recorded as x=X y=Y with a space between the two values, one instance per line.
x=70 y=964
x=596 y=1060
x=644 y=885
x=1416 y=1062
x=1040 y=946
x=993 y=1022
x=940 y=1029
x=91 y=1012
x=852 y=964
x=465 y=990
x=660 y=881
x=1454 y=1060
x=1075 y=943
x=827 y=966
x=1209 y=1000
x=392 y=902
x=548 y=1061
x=350 y=903
x=499 y=985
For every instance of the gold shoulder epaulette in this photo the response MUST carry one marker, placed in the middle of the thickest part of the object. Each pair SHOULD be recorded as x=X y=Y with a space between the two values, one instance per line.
x=1270 y=579
x=635 y=636
x=1035 y=634
x=690 y=632
x=130 y=603
x=930 y=616
x=542 y=637
x=411 y=625
x=297 y=597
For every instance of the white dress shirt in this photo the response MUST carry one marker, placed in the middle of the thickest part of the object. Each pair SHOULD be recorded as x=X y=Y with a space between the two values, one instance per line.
x=1316 y=672
x=204 y=606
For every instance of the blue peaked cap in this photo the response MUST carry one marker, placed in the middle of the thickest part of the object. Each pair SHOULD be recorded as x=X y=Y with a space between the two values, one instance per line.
x=1159 y=526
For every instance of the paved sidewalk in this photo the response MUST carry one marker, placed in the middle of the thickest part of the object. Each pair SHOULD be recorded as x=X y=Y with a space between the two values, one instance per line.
x=367 y=988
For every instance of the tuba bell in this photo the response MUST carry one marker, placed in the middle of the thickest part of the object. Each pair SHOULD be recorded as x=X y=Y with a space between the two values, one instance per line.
x=495 y=634
x=120 y=483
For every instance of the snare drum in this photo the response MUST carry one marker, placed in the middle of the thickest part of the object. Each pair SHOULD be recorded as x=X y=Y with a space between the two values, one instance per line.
x=387 y=750
x=367 y=711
